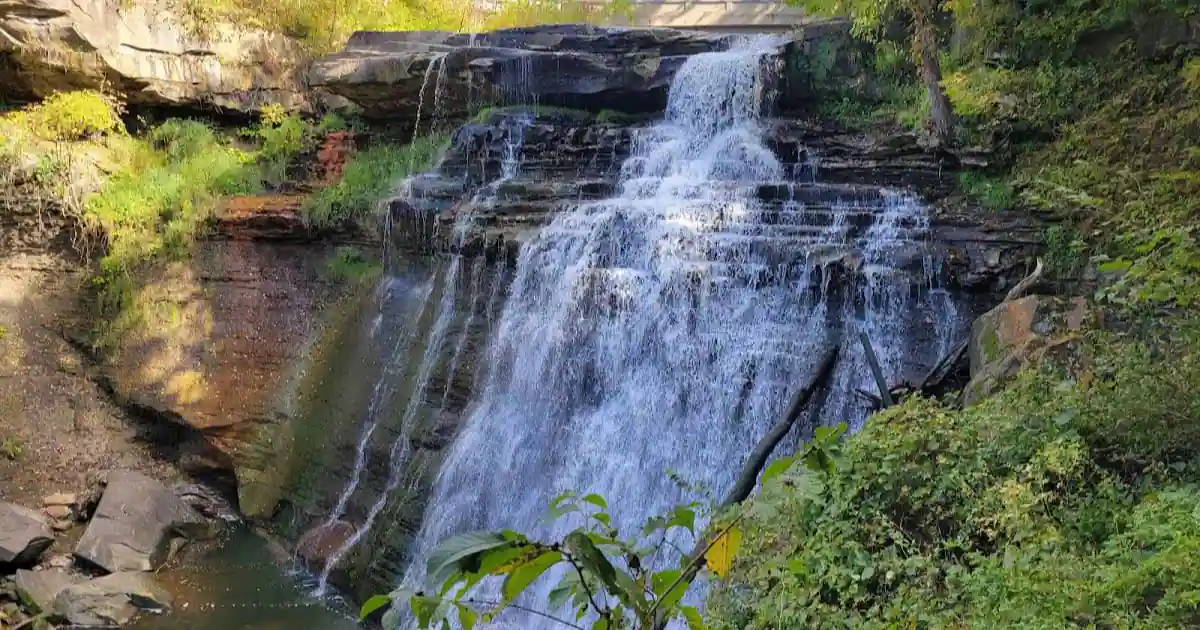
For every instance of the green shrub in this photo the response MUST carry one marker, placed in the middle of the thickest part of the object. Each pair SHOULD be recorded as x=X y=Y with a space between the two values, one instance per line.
x=72 y=116
x=369 y=177
x=350 y=265
x=154 y=211
x=991 y=193
x=12 y=449
x=180 y=139
x=332 y=122
x=281 y=136
x=1057 y=503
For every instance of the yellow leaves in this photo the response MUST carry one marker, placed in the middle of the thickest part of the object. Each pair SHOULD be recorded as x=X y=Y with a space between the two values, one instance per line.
x=722 y=551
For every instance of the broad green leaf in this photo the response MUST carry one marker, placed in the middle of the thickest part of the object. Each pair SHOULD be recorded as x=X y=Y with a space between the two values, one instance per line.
x=669 y=591
x=631 y=593
x=653 y=524
x=373 y=604
x=591 y=559
x=596 y=500
x=776 y=468
x=603 y=517
x=682 y=517
x=559 y=597
x=661 y=580
x=692 y=616
x=720 y=555
x=522 y=576
x=466 y=617
x=461 y=554
x=601 y=624
x=423 y=609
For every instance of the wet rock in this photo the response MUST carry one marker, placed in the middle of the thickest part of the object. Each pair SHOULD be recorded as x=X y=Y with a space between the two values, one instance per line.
x=147 y=52
x=207 y=502
x=113 y=600
x=38 y=589
x=316 y=545
x=583 y=67
x=57 y=512
x=1022 y=332
x=135 y=523
x=62 y=498
x=24 y=535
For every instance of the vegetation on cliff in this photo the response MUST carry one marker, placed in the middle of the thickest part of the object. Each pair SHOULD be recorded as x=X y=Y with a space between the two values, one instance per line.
x=324 y=25
x=138 y=200
x=1068 y=500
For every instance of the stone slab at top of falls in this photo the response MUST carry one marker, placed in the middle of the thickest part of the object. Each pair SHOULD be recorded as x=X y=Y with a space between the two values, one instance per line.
x=579 y=66
x=143 y=49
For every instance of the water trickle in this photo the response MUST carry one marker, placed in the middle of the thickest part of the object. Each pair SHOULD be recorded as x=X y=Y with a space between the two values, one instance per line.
x=667 y=327
x=381 y=397
x=401 y=446
x=435 y=64
x=475 y=292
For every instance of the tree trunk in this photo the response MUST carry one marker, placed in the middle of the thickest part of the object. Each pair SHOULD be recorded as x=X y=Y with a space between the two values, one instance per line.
x=941 y=114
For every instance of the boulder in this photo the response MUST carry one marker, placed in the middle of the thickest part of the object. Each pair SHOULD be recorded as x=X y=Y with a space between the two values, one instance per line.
x=135 y=523
x=24 y=535
x=113 y=600
x=1018 y=333
x=405 y=75
x=320 y=542
x=147 y=52
x=38 y=589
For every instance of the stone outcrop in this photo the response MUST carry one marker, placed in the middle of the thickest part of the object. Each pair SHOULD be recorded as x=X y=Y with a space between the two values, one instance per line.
x=24 y=535
x=573 y=157
x=38 y=589
x=405 y=75
x=135 y=524
x=1019 y=333
x=229 y=338
x=147 y=52
x=113 y=600
x=318 y=544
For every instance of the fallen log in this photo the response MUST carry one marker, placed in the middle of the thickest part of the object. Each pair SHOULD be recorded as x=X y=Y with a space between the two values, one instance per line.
x=885 y=394
x=762 y=452
x=748 y=479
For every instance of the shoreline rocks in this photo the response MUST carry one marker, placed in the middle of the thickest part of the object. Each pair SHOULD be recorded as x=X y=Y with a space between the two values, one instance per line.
x=24 y=535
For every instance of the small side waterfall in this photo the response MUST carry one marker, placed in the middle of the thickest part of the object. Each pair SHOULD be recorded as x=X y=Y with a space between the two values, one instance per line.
x=666 y=327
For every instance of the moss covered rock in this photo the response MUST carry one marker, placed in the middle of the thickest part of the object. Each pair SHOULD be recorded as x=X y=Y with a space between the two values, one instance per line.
x=1021 y=332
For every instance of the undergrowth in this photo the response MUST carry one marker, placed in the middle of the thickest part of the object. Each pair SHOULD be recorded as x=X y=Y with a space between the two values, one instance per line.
x=1064 y=501
x=324 y=25
x=136 y=200
x=368 y=178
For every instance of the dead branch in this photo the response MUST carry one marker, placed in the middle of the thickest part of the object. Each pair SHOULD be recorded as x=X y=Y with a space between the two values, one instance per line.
x=748 y=479
x=762 y=452
x=885 y=395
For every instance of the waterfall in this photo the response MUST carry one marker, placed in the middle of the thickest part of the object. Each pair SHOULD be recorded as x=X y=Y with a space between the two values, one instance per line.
x=666 y=328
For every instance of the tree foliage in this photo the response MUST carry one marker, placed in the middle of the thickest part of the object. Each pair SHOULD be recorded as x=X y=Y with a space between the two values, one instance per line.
x=609 y=578
x=1069 y=500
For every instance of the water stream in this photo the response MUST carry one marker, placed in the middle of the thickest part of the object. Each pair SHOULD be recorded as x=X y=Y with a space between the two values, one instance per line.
x=665 y=328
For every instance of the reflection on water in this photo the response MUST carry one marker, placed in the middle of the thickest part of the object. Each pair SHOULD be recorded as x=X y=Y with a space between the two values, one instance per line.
x=242 y=585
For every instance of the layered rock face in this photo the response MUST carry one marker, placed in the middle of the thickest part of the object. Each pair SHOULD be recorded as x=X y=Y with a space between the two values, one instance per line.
x=483 y=204
x=147 y=52
x=399 y=75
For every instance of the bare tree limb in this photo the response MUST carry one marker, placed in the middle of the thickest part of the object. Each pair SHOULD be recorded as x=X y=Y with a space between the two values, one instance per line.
x=885 y=395
x=946 y=364
x=762 y=452
x=1024 y=285
x=748 y=479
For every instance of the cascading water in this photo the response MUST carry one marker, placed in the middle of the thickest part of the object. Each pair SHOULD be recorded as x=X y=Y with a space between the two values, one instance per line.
x=665 y=328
